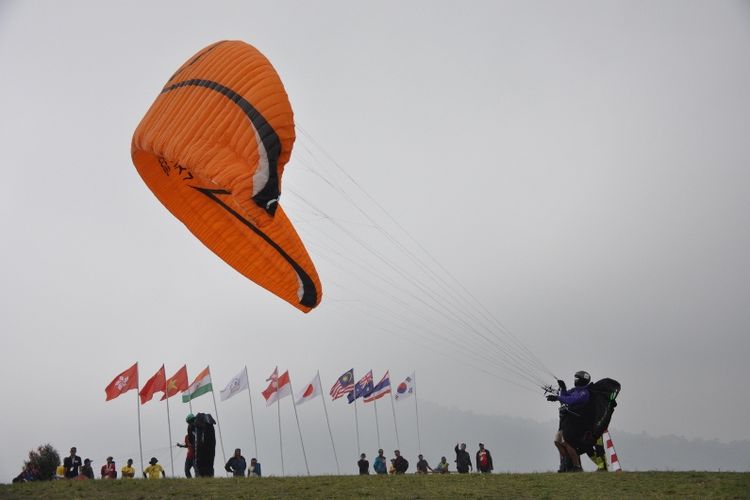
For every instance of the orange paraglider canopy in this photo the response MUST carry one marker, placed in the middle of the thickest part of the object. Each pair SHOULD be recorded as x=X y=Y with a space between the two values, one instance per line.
x=212 y=148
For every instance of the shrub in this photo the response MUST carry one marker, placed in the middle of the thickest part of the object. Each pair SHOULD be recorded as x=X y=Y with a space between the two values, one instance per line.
x=43 y=461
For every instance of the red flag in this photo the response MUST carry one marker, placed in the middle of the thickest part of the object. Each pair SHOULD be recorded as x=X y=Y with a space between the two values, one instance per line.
x=124 y=382
x=157 y=383
x=176 y=383
x=279 y=387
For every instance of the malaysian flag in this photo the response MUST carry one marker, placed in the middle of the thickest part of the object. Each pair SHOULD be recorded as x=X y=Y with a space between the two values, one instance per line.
x=362 y=389
x=343 y=386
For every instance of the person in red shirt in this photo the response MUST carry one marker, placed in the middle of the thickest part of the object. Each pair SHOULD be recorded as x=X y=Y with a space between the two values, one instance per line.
x=109 y=470
x=190 y=445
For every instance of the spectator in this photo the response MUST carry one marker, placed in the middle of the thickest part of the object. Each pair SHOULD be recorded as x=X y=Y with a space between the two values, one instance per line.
x=484 y=460
x=154 y=470
x=128 y=472
x=442 y=466
x=422 y=466
x=109 y=470
x=364 y=465
x=72 y=464
x=379 y=465
x=400 y=464
x=87 y=470
x=237 y=464
x=463 y=460
x=254 y=470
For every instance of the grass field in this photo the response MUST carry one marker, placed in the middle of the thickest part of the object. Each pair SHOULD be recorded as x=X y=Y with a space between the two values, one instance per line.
x=542 y=485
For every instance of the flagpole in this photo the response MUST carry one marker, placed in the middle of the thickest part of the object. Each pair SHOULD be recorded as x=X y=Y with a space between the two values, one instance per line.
x=169 y=426
x=252 y=417
x=356 y=422
x=138 y=405
x=377 y=425
x=395 y=425
x=299 y=429
x=416 y=411
x=328 y=423
x=218 y=424
x=278 y=411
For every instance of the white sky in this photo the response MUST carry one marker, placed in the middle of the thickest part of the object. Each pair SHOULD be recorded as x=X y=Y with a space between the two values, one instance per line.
x=580 y=167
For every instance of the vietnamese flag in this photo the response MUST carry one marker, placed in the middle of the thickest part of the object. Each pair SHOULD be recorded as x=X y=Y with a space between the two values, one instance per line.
x=310 y=391
x=157 y=383
x=176 y=383
x=124 y=382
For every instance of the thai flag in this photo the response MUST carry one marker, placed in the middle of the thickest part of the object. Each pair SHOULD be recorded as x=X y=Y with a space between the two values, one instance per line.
x=381 y=389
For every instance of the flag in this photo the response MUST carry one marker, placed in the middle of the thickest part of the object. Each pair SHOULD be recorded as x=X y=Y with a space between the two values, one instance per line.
x=157 y=383
x=238 y=383
x=279 y=387
x=176 y=383
x=362 y=388
x=310 y=391
x=124 y=382
x=381 y=389
x=200 y=386
x=343 y=386
x=405 y=388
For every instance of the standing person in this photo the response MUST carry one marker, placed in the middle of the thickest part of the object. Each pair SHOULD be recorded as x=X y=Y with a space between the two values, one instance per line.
x=364 y=465
x=400 y=464
x=154 y=470
x=380 y=466
x=190 y=445
x=572 y=423
x=109 y=470
x=463 y=459
x=484 y=460
x=254 y=470
x=442 y=466
x=128 y=471
x=422 y=466
x=87 y=470
x=72 y=464
x=237 y=464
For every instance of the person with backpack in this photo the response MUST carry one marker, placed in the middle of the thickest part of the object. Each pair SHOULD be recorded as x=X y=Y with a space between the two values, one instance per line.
x=484 y=460
x=400 y=464
x=573 y=423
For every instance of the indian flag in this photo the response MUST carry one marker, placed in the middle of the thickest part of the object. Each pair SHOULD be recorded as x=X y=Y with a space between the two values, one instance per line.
x=200 y=386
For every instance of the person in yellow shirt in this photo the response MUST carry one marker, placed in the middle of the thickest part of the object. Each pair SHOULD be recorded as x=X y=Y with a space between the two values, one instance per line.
x=60 y=472
x=128 y=471
x=154 y=470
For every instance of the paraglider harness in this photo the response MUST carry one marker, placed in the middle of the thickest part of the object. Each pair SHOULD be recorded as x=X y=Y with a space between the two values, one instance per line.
x=584 y=425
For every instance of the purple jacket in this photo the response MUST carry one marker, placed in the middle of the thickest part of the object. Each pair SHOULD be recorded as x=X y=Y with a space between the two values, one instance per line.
x=574 y=397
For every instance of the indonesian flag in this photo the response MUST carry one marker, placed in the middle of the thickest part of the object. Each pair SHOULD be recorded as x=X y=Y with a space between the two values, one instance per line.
x=405 y=388
x=157 y=383
x=176 y=383
x=279 y=387
x=200 y=386
x=124 y=382
x=238 y=383
x=310 y=391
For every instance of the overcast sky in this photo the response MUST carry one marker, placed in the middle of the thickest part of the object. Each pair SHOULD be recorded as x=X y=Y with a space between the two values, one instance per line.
x=579 y=168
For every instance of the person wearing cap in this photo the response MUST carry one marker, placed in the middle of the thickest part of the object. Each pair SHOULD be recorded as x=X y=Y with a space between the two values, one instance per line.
x=236 y=464
x=484 y=460
x=109 y=470
x=154 y=470
x=128 y=471
x=379 y=465
x=422 y=466
x=189 y=444
x=87 y=470
x=400 y=464
x=72 y=464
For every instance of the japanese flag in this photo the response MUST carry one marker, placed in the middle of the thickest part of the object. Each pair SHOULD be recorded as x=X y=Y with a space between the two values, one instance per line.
x=310 y=391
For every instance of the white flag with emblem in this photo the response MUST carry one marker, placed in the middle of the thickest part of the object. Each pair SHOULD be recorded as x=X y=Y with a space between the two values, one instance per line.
x=405 y=388
x=238 y=383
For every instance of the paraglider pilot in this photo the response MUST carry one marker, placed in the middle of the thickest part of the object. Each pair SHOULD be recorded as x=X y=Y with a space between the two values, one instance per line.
x=572 y=424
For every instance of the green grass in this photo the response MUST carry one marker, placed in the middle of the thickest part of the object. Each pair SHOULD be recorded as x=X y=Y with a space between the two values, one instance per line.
x=543 y=485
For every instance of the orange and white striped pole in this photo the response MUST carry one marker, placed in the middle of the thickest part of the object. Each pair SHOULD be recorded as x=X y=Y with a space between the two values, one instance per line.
x=611 y=454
